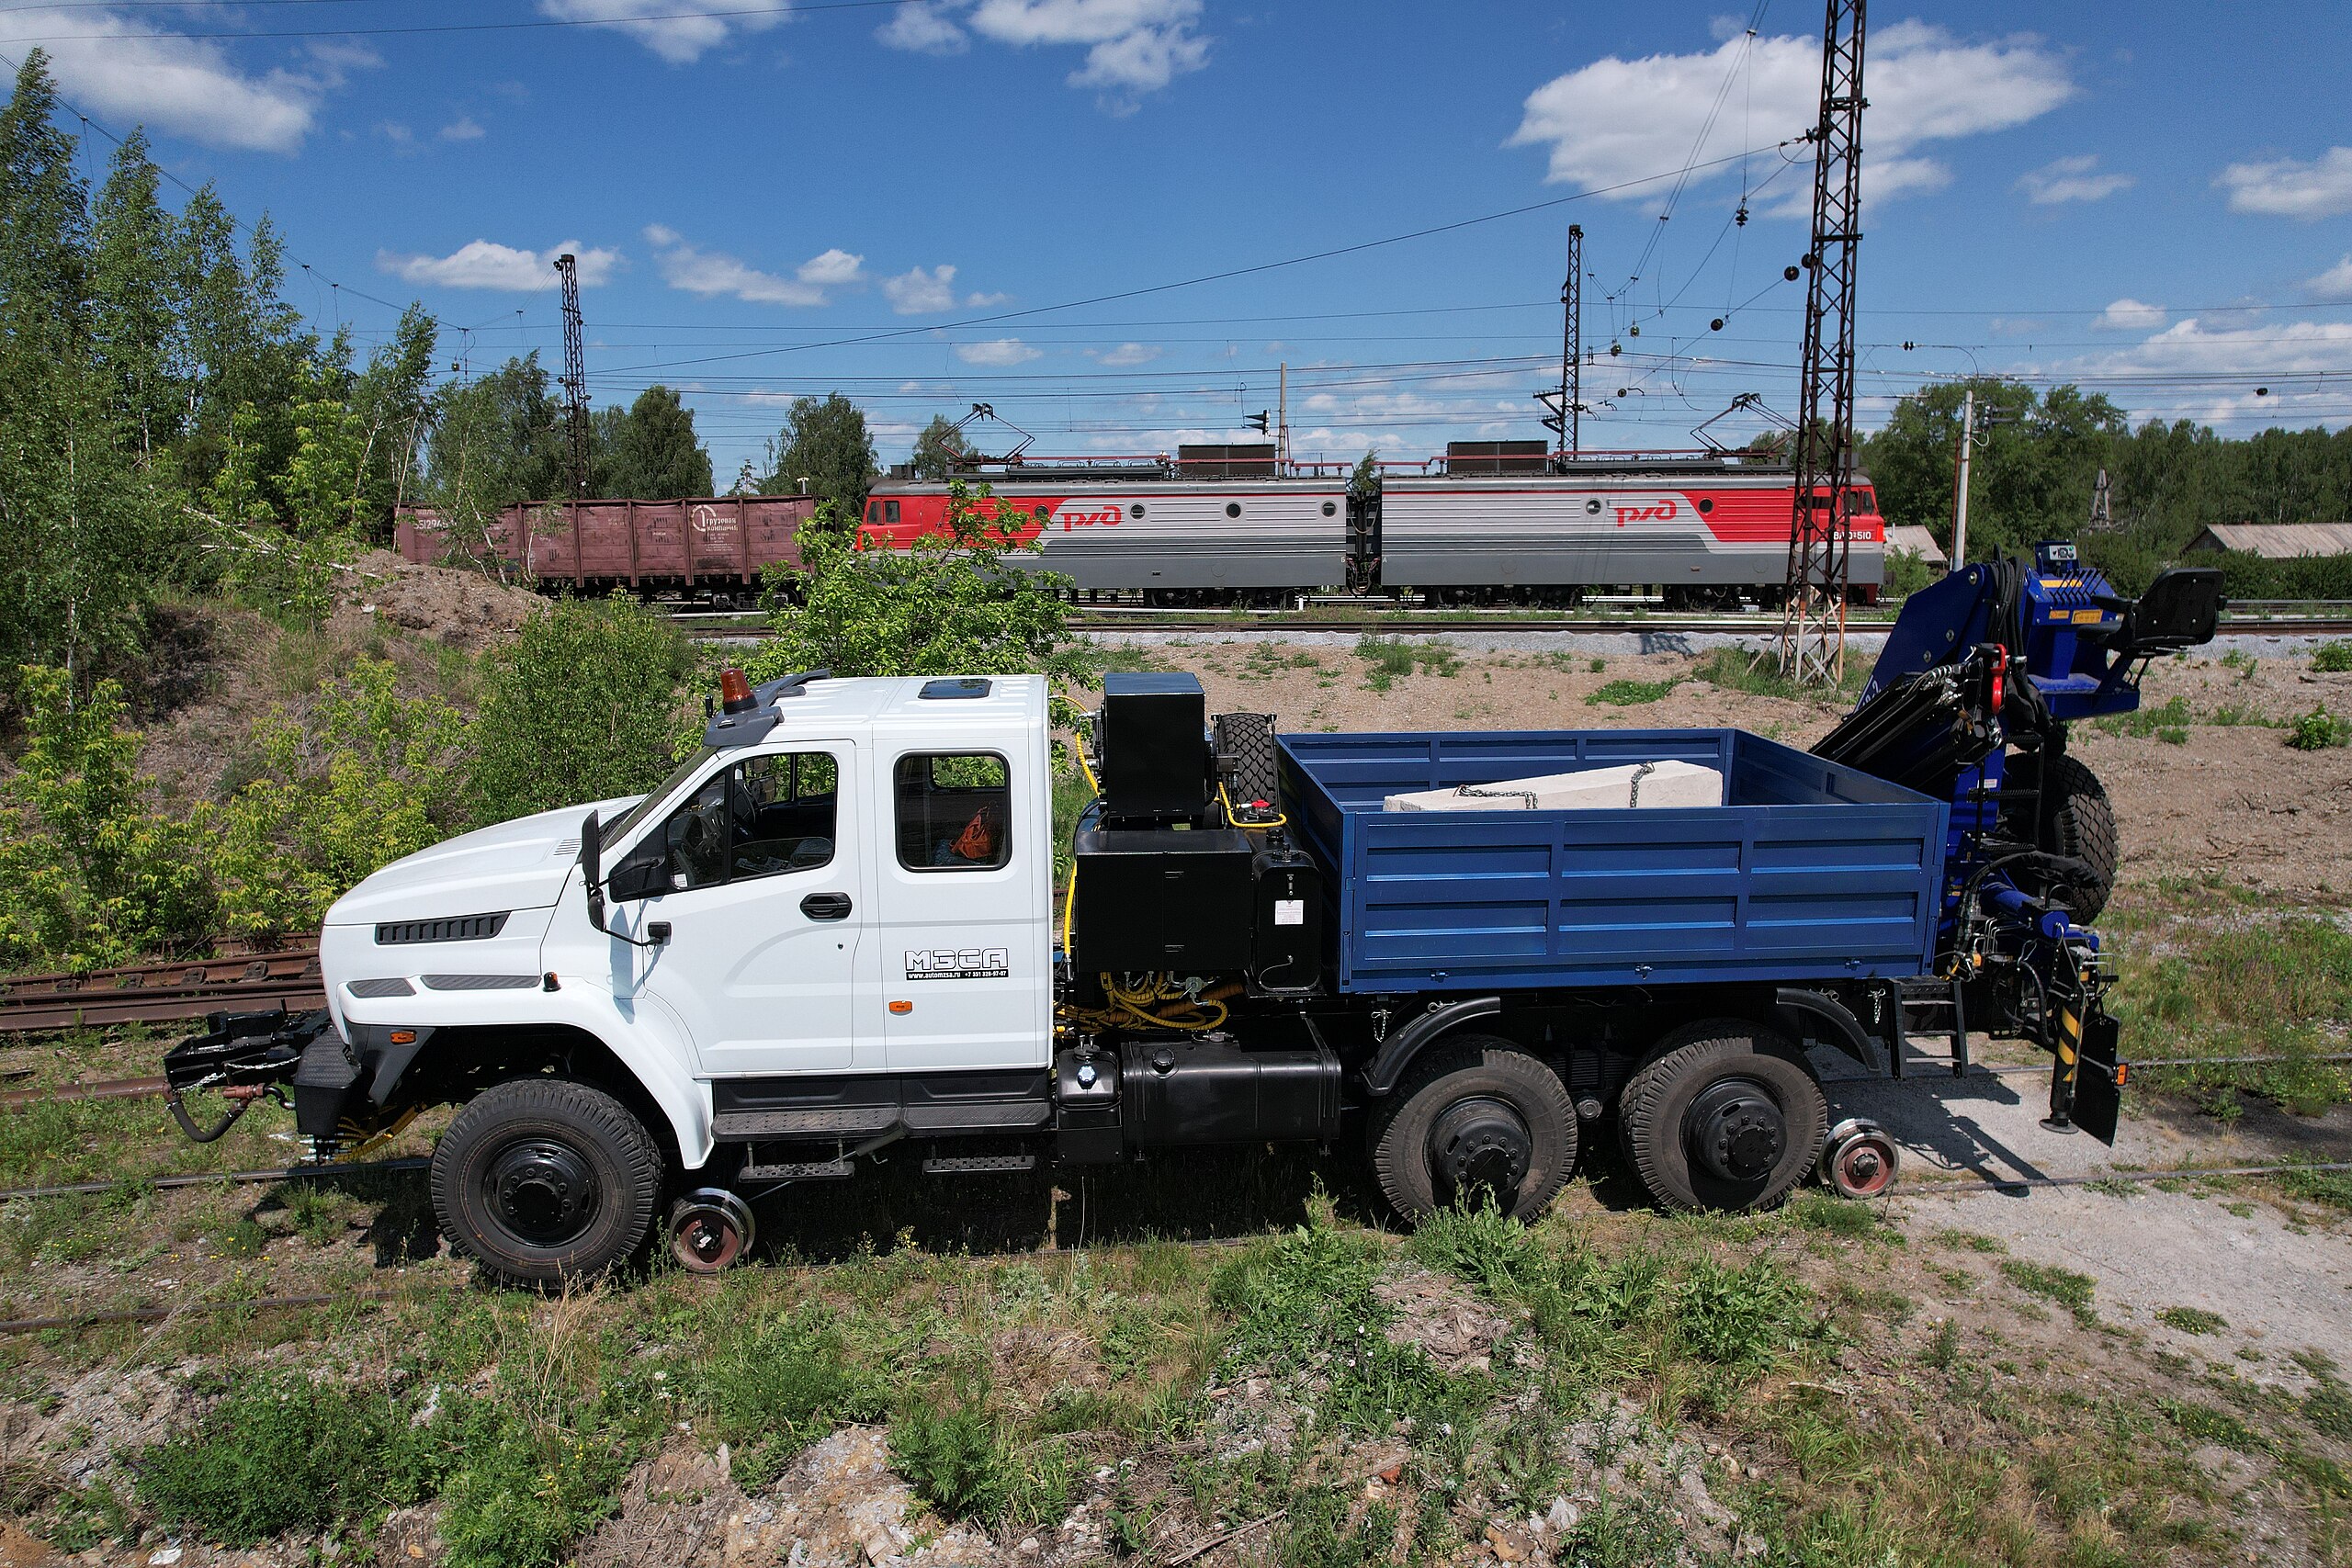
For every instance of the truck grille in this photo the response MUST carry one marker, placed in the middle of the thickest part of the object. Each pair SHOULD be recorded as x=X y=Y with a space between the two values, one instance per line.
x=455 y=928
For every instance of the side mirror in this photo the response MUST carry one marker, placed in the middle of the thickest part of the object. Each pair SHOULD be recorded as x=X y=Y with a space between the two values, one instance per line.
x=592 y=868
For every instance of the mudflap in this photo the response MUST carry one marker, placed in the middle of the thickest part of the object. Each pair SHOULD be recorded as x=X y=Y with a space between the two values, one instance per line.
x=2098 y=1080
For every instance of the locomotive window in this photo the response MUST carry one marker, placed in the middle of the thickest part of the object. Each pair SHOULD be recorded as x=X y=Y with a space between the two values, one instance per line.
x=890 y=511
x=1705 y=505
x=1043 y=513
x=873 y=511
x=955 y=813
x=1233 y=509
x=1593 y=505
x=1136 y=510
x=1329 y=507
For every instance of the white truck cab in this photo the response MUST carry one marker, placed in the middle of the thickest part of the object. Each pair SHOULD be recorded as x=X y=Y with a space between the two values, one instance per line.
x=857 y=881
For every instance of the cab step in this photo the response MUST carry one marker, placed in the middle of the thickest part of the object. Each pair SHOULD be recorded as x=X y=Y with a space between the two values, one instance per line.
x=797 y=1171
x=978 y=1165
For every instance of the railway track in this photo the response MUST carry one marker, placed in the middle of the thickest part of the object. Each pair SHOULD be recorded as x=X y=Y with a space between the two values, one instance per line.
x=167 y=992
x=1496 y=622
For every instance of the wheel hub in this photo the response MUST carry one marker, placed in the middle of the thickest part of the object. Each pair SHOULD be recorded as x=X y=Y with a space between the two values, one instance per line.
x=542 y=1191
x=1734 y=1130
x=1480 y=1144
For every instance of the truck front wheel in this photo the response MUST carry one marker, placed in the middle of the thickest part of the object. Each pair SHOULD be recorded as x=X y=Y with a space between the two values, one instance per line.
x=542 y=1180
x=1726 y=1115
x=1476 y=1118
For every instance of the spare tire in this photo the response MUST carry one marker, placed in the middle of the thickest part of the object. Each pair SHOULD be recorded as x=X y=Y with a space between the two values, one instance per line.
x=2077 y=820
x=1249 y=739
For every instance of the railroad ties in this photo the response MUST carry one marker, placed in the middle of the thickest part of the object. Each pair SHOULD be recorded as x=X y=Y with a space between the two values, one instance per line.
x=287 y=976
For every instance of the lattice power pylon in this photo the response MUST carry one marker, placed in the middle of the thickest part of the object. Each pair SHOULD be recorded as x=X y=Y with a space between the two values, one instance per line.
x=1567 y=402
x=1812 y=627
x=576 y=384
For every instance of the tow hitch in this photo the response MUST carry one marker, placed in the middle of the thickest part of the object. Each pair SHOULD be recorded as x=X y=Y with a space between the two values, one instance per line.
x=244 y=1057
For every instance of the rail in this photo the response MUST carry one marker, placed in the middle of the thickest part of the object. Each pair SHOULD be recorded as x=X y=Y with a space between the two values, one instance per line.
x=164 y=992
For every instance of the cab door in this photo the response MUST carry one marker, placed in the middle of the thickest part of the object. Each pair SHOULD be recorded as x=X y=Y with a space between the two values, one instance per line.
x=962 y=922
x=760 y=875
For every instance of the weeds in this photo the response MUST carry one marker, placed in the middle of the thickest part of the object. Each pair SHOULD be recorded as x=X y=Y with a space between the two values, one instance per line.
x=1735 y=670
x=1388 y=660
x=2167 y=720
x=2318 y=730
x=961 y=1456
x=2333 y=658
x=2063 y=1286
x=1624 y=694
x=781 y=1384
x=2191 y=1320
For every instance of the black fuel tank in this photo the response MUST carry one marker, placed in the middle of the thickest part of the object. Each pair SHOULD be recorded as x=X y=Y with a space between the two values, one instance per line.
x=1198 y=1091
x=1286 y=921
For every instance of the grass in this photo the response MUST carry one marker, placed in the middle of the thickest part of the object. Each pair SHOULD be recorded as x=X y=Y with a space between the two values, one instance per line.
x=2167 y=721
x=2062 y=1286
x=2191 y=1320
x=1758 y=676
x=1388 y=660
x=1623 y=693
x=2213 y=974
x=2333 y=658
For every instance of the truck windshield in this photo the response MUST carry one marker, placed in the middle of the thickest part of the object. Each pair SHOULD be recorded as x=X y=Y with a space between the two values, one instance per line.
x=660 y=793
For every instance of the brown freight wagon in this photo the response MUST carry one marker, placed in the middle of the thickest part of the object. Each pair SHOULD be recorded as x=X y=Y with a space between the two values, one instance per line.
x=715 y=543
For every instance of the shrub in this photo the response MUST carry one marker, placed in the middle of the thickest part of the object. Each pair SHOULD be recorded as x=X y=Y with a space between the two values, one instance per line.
x=960 y=1457
x=2318 y=730
x=371 y=777
x=581 y=705
x=95 y=877
x=1907 y=571
x=2333 y=658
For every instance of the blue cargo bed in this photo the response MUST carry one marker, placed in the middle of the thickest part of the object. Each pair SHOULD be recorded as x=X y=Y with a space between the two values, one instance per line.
x=1809 y=871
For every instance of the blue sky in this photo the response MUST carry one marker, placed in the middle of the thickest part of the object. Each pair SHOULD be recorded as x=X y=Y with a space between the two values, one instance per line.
x=2154 y=202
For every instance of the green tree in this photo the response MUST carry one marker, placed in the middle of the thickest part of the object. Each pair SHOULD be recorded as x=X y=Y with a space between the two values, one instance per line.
x=392 y=401
x=824 y=441
x=583 y=705
x=95 y=875
x=1363 y=480
x=491 y=441
x=956 y=602
x=651 y=452
x=44 y=221
x=137 y=331
x=939 y=449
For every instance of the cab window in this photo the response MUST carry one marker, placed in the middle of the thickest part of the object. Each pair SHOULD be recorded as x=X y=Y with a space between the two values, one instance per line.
x=890 y=511
x=954 y=811
x=763 y=816
x=873 y=511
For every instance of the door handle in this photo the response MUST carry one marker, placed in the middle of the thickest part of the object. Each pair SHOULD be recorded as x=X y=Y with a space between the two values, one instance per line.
x=826 y=906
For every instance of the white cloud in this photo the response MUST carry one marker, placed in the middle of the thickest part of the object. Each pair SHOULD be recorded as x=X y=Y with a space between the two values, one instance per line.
x=1617 y=121
x=712 y=274
x=919 y=292
x=2072 y=179
x=924 y=29
x=982 y=302
x=485 y=264
x=2288 y=187
x=188 y=87
x=2131 y=316
x=1126 y=354
x=835 y=268
x=680 y=32
x=463 y=129
x=996 y=351
x=2268 y=354
x=399 y=135
x=1133 y=46
x=2332 y=287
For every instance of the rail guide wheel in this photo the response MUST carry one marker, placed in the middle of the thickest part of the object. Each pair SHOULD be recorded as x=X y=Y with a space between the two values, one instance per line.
x=1859 y=1159
x=710 y=1229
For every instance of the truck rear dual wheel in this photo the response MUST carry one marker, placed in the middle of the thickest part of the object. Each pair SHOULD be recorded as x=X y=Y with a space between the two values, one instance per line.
x=1726 y=1115
x=543 y=1180
x=1476 y=1118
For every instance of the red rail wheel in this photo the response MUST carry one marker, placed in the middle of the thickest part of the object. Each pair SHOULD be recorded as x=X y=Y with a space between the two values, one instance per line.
x=710 y=1229
x=1859 y=1159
